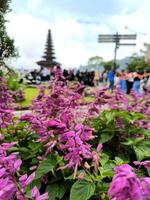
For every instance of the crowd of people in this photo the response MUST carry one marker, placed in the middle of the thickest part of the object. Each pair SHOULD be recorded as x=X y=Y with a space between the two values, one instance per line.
x=126 y=80
x=136 y=80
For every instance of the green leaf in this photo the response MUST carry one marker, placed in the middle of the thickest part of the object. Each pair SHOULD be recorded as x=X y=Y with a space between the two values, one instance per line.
x=36 y=183
x=82 y=190
x=146 y=132
x=109 y=116
x=13 y=149
x=56 y=190
x=119 y=161
x=132 y=141
x=24 y=150
x=103 y=187
x=95 y=123
x=142 y=149
x=104 y=159
x=106 y=171
x=28 y=191
x=106 y=136
x=46 y=166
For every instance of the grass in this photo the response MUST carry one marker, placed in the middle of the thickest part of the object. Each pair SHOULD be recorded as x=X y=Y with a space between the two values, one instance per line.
x=30 y=93
x=89 y=99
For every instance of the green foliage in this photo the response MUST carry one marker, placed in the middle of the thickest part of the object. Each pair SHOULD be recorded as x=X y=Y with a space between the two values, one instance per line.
x=46 y=166
x=95 y=61
x=56 y=190
x=4 y=9
x=146 y=47
x=121 y=140
x=108 y=65
x=27 y=146
x=138 y=62
x=142 y=149
x=7 y=48
x=12 y=82
x=82 y=190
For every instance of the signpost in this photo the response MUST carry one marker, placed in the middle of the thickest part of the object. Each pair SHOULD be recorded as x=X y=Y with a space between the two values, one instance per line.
x=116 y=38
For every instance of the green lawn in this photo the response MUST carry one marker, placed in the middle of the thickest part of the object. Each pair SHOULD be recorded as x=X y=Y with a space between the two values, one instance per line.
x=30 y=93
x=89 y=99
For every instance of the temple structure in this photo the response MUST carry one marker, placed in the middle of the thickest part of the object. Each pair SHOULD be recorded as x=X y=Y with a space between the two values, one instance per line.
x=48 y=59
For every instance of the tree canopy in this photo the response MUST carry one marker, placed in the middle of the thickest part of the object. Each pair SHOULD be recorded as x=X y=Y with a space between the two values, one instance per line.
x=95 y=61
x=138 y=61
x=108 y=65
x=7 y=47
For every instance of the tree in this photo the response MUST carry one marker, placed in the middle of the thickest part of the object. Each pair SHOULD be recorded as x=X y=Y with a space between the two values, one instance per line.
x=108 y=65
x=95 y=61
x=7 y=47
x=146 y=48
x=138 y=61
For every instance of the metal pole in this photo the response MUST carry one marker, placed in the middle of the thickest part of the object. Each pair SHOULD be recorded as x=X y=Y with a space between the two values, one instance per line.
x=115 y=51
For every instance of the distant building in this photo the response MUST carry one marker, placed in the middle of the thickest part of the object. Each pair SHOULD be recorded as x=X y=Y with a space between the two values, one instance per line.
x=49 y=59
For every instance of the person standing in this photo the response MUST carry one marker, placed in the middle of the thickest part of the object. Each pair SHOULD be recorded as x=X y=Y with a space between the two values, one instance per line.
x=146 y=81
x=129 y=81
x=117 y=79
x=122 y=81
x=137 y=80
x=104 y=78
x=96 y=78
x=111 y=75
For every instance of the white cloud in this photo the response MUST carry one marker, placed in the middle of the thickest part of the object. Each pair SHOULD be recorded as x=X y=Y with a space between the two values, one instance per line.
x=74 y=42
x=137 y=22
x=68 y=35
x=29 y=35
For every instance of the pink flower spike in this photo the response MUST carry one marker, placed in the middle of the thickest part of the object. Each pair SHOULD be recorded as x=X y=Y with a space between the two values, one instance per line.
x=17 y=164
x=2 y=172
x=35 y=193
x=43 y=196
x=30 y=178
x=137 y=162
x=1 y=137
x=33 y=167
x=81 y=176
x=23 y=177
x=99 y=148
x=123 y=168
x=145 y=183
x=7 y=146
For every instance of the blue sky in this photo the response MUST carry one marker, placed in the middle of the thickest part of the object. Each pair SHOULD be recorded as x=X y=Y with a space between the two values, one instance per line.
x=75 y=25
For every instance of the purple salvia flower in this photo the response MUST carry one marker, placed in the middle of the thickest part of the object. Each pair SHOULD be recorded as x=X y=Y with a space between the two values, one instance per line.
x=99 y=148
x=17 y=164
x=30 y=179
x=145 y=183
x=125 y=184
x=145 y=163
x=36 y=194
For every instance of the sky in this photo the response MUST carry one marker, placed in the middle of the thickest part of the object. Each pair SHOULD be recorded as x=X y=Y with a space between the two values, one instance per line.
x=75 y=26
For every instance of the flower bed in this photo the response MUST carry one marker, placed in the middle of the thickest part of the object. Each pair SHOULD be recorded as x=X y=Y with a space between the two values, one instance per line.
x=64 y=151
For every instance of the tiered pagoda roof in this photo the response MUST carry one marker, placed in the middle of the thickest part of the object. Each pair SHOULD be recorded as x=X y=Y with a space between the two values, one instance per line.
x=48 y=59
